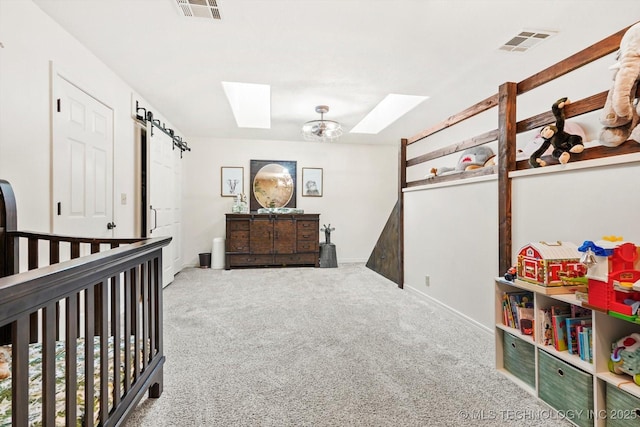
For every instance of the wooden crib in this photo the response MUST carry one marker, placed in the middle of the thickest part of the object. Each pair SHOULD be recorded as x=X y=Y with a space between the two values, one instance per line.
x=81 y=338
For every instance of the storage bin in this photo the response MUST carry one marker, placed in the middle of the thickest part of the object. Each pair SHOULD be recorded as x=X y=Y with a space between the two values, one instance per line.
x=623 y=409
x=519 y=358
x=565 y=388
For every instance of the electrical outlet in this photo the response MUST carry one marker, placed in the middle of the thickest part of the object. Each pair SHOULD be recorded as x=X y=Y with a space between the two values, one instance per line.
x=427 y=280
x=123 y=198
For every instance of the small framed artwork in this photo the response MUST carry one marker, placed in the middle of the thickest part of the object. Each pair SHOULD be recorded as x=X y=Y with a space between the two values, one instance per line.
x=231 y=181
x=312 y=182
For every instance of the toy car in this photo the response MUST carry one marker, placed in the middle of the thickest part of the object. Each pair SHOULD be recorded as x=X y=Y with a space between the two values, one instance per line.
x=511 y=274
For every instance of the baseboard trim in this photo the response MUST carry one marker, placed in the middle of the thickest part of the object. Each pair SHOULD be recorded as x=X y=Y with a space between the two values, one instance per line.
x=429 y=298
x=351 y=260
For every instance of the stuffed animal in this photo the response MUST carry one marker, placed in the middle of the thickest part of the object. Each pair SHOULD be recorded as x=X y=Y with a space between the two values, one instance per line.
x=620 y=113
x=5 y=363
x=471 y=158
x=530 y=147
x=554 y=135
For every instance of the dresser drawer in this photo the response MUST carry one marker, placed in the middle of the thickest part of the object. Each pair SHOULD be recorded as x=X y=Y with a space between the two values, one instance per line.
x=307 y=230
x=250 y=260
x=297 y=259
x=307 y=246
x=519 y=358
x=238 y=225
x=565 y=387
x=623 y=409
x=238 y=241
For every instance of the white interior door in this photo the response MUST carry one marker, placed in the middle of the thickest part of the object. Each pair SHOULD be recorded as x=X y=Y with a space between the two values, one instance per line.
x=164 y=199
x=82 y=172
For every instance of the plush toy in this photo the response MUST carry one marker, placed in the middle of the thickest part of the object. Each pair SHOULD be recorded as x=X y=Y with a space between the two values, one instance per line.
x=5 y=363
x=471 y=158
x=554 y=135
x=530 y=147
x=620 y=113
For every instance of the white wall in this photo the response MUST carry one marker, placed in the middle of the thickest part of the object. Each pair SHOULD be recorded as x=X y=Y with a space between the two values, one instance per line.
x=451 y=232
x=360 y=190
x=451 y=236
x=360 y=182
x=577 y=205
x=32 y=41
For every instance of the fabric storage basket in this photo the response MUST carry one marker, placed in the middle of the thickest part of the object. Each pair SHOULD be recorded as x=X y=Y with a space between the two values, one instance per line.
x=519 y=358
x=623 y=409
x=565 y=388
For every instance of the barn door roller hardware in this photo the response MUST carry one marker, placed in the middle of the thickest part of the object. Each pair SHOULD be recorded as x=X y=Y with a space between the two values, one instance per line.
x=147 y=116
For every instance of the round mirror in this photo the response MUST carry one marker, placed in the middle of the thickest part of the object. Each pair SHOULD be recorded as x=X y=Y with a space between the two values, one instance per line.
x=273 y=186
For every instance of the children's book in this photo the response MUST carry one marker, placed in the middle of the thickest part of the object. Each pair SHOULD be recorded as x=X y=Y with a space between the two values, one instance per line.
x=579 y=311
x=560 y=309
x=560 y=331
x=526 y=317
x=545 y=327
x=513 y=300
x=572 y=332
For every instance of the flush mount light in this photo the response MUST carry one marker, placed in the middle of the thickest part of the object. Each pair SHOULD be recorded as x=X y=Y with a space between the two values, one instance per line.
x=321 y=130
x=250 y=103
x=390 y=109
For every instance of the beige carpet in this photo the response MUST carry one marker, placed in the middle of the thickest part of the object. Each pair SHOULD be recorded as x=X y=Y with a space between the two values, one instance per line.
x=324 y=347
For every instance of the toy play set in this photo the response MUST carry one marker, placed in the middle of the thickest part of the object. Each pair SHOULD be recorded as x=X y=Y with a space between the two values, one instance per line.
x=613 y=276
x=608 y=268
x=547 y=264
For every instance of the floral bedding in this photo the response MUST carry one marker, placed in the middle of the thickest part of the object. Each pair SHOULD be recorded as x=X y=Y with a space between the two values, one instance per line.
x=35 y=383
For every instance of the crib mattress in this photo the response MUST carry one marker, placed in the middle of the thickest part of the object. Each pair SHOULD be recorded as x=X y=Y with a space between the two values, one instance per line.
x=35 y=382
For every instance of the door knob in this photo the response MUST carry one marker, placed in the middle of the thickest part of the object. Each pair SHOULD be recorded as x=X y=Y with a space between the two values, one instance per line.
x=111 y=225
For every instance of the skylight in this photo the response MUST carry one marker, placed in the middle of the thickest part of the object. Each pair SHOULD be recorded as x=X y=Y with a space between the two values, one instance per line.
x=390 y=109
x=250 y=103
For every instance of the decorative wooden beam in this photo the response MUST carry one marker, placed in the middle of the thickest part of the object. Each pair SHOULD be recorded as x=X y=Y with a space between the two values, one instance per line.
x=584 y=57
x=454 y=148
x=489 y=170
x=506 y=163
x=402 y=183
x=477 y=108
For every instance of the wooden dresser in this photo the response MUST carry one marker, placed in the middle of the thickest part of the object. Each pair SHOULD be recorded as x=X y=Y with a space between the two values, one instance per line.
x=267 y=240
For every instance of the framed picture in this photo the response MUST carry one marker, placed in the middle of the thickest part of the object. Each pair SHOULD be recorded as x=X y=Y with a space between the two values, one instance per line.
x=231 y=181
x=312 y=182
x=273 y=184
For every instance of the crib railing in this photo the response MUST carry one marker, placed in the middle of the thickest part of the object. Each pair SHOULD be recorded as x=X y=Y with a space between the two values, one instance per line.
x=82 y=321
x=114 y=296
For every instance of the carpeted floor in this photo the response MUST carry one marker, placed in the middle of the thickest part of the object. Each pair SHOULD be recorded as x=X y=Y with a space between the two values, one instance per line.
x=324 y=347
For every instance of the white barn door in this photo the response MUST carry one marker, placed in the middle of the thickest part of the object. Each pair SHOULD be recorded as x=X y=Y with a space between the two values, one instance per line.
x=82 y=158
x=164 y=177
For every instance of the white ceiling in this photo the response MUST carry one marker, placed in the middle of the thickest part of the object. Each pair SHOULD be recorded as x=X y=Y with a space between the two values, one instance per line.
x=348 y=54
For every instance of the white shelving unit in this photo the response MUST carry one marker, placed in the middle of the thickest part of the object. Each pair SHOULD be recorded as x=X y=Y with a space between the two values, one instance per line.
x=605 y=329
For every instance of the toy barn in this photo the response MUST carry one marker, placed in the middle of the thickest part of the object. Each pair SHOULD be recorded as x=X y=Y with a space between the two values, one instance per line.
x=542 y=263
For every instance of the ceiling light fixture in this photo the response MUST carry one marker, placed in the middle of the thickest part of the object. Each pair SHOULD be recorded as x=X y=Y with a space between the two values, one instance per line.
x=321 y=130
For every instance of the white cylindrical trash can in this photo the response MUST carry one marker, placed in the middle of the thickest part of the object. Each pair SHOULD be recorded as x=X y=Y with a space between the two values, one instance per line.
x=217 y=253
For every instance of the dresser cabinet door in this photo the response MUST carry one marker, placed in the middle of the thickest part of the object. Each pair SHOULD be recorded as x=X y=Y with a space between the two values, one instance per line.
x=238 y=236
x=261 y=236
x=284 y=236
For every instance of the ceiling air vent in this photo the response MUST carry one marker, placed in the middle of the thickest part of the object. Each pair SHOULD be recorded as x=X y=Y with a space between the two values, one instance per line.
x=199 y=8
x=526 y=39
